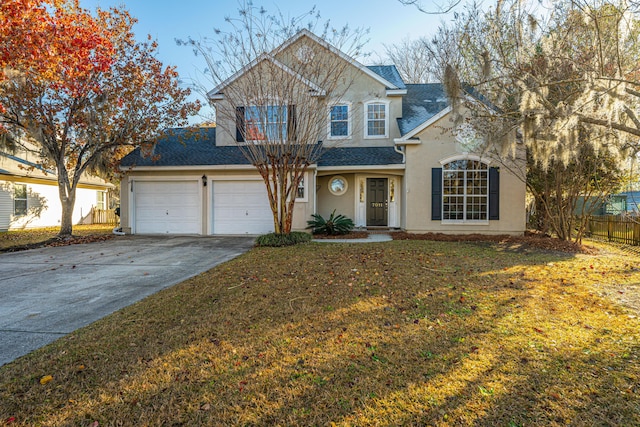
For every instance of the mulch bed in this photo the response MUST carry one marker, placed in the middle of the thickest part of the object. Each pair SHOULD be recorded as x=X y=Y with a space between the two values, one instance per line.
x=352 y=235
x=57 y=241
x=531 y=240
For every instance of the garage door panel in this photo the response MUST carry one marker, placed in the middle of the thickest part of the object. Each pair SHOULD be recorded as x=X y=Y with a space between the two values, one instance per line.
x=241 y=207
x=168 y=207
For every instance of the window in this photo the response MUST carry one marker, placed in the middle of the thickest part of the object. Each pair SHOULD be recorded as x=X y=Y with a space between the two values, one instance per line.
x=338 y=185
x=339 y=123
x=376 y=120
x=301 y=193
x=465 y=191
x=19 y=199
x=265 y=123
x=100 y=202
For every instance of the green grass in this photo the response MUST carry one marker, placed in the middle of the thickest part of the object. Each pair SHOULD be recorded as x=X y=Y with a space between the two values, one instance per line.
x=37 y=235
x=396 y=333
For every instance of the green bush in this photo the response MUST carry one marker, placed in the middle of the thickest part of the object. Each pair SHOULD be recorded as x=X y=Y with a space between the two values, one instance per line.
x=277 y=240
x=335 y=224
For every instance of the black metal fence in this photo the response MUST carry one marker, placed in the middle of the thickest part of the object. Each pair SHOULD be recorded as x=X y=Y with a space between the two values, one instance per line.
x=615 y=228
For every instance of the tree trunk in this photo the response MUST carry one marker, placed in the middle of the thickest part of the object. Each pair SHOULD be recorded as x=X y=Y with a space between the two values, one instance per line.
x=68 y=201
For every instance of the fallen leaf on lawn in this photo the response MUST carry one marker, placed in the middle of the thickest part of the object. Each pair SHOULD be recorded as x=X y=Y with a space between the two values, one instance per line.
x=46 y=379
x=205 y=407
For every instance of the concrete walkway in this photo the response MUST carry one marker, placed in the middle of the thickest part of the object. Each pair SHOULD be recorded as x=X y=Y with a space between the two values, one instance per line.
x=49 y=292
x=372 y=238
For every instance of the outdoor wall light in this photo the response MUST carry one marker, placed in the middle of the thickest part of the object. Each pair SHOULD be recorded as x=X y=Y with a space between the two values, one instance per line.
x=204 y=180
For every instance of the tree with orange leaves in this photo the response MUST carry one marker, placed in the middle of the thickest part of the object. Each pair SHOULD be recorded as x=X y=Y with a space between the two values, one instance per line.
x=80 y=90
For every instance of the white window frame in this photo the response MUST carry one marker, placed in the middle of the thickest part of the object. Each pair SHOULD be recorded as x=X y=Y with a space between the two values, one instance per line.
x=386 y=119
x=25 y=199
x=267 y=124
x=465 y=194
x=329 y=121
x=102 y=202
x=305 y=187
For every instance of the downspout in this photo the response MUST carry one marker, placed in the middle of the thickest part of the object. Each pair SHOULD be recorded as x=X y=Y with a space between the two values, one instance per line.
x=398 y=150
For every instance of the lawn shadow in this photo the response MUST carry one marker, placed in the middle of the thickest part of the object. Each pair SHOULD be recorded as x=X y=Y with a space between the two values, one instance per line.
x=413 y=333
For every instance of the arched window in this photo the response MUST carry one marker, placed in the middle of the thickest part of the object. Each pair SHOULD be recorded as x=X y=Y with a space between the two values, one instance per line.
x=465 y=191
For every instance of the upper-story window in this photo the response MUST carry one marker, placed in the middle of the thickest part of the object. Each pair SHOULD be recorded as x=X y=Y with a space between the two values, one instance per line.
x=376 y=119
x=19 y=199
x=265 y=123
x=339 y=121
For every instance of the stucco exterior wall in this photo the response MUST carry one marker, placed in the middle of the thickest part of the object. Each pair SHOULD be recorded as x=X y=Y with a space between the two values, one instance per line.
x=302 y=208
x=437 y=144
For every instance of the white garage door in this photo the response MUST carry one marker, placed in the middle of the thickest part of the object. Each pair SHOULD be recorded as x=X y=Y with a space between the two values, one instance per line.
x=171 y=207
x=241 y=207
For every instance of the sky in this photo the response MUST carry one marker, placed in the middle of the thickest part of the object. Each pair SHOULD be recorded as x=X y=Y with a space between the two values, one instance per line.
x=388 y=21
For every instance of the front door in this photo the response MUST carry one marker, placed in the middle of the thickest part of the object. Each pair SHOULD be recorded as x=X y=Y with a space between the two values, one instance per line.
x=377 y=204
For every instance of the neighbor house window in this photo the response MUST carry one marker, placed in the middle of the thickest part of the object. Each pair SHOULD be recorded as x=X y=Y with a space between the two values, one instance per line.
x=376 y=120
x=19 y=199
x=265 y=123
x=101 y=201
x=465 y=191
x=339 y=123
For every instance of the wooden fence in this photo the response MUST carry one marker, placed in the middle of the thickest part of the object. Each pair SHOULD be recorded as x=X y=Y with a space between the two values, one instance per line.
x=104 y=216
x=615 y=229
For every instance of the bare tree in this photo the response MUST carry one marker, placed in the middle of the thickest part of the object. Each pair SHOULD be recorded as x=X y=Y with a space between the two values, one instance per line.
x=274 y=83
x=412 y=59
x=433 y=8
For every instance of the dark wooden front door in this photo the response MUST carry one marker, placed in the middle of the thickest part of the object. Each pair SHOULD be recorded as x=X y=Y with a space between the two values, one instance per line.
x=377 y=204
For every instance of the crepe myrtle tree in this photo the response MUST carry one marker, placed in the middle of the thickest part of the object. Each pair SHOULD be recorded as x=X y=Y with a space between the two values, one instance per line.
x=79 y=91
x=275 y=81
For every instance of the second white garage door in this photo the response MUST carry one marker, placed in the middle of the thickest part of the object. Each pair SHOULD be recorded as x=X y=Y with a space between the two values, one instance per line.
x=241 y=207
x=167 y=207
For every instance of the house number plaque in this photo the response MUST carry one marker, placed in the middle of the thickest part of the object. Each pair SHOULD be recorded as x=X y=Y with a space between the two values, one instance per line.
x=377 y=204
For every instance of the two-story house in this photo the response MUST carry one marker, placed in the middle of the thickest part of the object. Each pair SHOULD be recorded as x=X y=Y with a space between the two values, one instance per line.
x=392 y=158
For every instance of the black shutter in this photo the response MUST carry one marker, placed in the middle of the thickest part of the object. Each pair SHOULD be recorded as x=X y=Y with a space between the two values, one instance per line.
x=291 y=123
x=240 y=130
x=436 y=194
x=494 y=193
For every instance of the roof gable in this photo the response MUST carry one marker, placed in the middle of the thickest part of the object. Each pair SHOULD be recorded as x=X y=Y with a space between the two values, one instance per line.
x=217 y=92
x=387 y=76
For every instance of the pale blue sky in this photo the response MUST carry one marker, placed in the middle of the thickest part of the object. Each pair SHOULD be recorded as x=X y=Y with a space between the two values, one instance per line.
x=388 y=21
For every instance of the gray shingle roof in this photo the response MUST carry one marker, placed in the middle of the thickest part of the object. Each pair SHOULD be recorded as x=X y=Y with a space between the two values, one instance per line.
x=186 y=148
x=422 y=102
x=389 y=73
x=197 y=148
x=360 y=156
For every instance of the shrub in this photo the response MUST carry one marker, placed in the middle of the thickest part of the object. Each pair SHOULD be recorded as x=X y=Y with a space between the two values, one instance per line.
x=336 y=224
x=277 y=240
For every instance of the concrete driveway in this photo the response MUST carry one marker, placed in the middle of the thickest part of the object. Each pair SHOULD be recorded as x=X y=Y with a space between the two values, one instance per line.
x=50 y=292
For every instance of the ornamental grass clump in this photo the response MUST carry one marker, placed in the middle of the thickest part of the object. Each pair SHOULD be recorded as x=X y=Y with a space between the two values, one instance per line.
x=335 y=224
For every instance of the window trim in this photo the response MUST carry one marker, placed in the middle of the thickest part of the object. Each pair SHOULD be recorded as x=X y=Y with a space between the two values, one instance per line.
x=386 y=119
x=284 y=124
x=344 y=190
x=25 y=199
x=465 y=220
x=349 y=116
x=305 y=186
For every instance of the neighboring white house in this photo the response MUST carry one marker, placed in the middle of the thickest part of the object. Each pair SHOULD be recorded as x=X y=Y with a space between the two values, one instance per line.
x=29 y=194
x=392 y=158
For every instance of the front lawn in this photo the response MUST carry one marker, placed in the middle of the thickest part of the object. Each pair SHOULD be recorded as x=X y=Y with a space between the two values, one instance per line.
x=386 y=334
